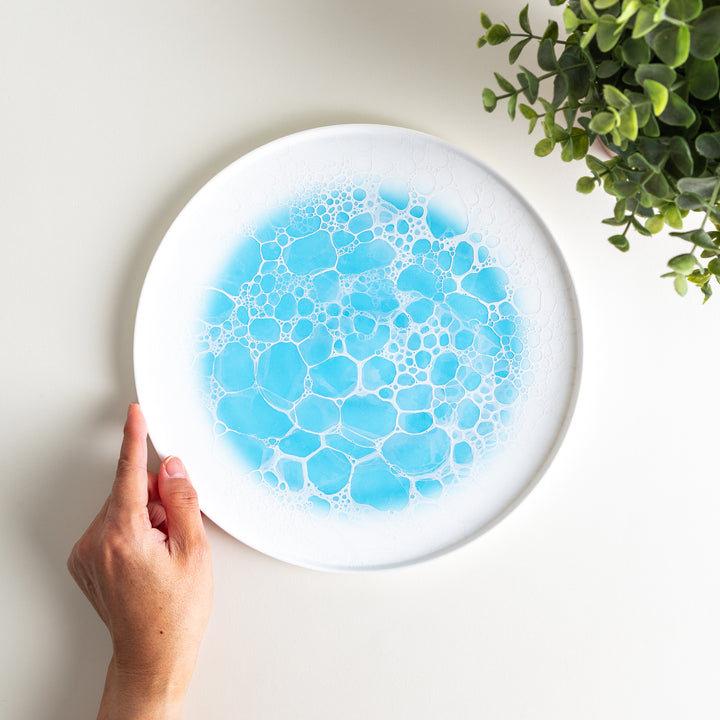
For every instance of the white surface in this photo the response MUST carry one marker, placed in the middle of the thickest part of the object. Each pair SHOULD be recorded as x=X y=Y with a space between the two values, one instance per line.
x=596 y=598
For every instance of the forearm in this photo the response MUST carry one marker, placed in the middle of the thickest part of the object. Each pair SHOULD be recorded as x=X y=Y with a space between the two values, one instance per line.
x=155 y=696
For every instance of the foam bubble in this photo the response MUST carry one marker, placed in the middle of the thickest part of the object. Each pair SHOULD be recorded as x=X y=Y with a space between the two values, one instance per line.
x=361 y=346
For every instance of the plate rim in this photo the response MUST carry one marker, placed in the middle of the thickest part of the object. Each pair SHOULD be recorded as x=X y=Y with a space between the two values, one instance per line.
x=574 y=304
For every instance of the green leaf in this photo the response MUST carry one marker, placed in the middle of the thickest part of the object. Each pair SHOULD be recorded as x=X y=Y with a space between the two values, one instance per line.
x=620 y=242
x=684 y=263
x=658 y=95
x=608 y=32
x=677 y=113
x=655 y=224
x=585 y=185
x=628 y=124
x=644 y=22
x=551 y=31
x=657 y=185
x=706 y=291
x=588 y=10
x=708 y=145
x=498 y=34
x=635 y=51
x=528 y=112
x=485 y=20
x=489 y=99
x=689 y=201
x=605 y=4
x=702 y=187
x=697 y=237
x=685 y=10
x=714 y=266
x=702 y=78
x=580 y=143
x=702 y=239
x=544 y=147
x=705 y=34
x=512 y=104
x=673 y=218
x=619 y=211
x=546 y=55
x=602 y=123
x=524 y=22
x=699 y=277
x=578 y=71
x=614 y=97
x=570 y=19
x=516 y=49
x=597 y=166
x=626 y=189
x=504 y=84
x=654 y=71
x=672 y=44
x=482 y=42
x=607 y=68
x=681 y=155
x=529 y=83
x=639 y=227
x=681 y=285
x=588 y=36
x=561 y=87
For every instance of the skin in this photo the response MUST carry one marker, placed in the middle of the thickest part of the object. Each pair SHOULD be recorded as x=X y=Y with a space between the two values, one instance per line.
x=144 y=563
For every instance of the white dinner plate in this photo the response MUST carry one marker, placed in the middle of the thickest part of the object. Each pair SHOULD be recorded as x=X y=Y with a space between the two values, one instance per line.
x=364 y=344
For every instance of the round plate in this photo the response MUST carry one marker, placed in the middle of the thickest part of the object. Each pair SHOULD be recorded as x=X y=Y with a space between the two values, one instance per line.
x=364 y=345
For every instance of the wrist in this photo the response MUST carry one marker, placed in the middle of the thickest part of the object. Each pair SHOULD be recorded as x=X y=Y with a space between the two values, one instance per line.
x=142 y=695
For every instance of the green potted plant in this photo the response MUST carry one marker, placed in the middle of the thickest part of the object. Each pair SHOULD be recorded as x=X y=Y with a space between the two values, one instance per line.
x=641 y=77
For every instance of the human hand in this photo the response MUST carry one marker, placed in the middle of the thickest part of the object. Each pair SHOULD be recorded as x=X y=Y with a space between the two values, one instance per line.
x=144 y=563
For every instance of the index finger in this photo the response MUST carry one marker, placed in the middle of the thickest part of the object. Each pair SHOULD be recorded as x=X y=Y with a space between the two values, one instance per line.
x=130 y=489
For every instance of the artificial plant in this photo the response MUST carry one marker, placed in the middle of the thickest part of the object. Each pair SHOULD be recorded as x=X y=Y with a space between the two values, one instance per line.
x=642 y=77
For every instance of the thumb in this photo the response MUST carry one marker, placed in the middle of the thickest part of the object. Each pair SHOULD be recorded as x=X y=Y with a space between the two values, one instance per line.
x=177 y=494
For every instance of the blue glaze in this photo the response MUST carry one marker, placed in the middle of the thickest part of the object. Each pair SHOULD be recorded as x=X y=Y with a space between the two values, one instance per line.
x=241 y=266
x=336 y=377
x=415 y=422
x=218 y=306
x=378 y=371
x=373 y=483
x=281 y=372
x=317 y=347
x=234 y=368
x=420 y=310
x=490 y=284
x=265 y=330
x=360 y=346
x=395 y=192
x=415 y=278
x=329 y=470
x=247 y=412
x=309 y=254
x=370 y=256
x=367 y=417
x=317 y=414
x=418 y=397
x=418 y=454
x=300 y=443
x=444 y=368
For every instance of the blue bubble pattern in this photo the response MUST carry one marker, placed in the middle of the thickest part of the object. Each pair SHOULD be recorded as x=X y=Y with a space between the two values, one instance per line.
x=360 y=348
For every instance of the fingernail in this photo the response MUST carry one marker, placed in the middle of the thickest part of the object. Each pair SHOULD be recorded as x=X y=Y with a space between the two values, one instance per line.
x=174 y=467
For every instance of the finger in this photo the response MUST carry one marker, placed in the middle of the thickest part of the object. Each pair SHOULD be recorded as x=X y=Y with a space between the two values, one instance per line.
x=130 y=489
x=183 y=519
x=157 y=516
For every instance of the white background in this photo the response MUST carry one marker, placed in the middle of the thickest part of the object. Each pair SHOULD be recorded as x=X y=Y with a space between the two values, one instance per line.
x=597 y=598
